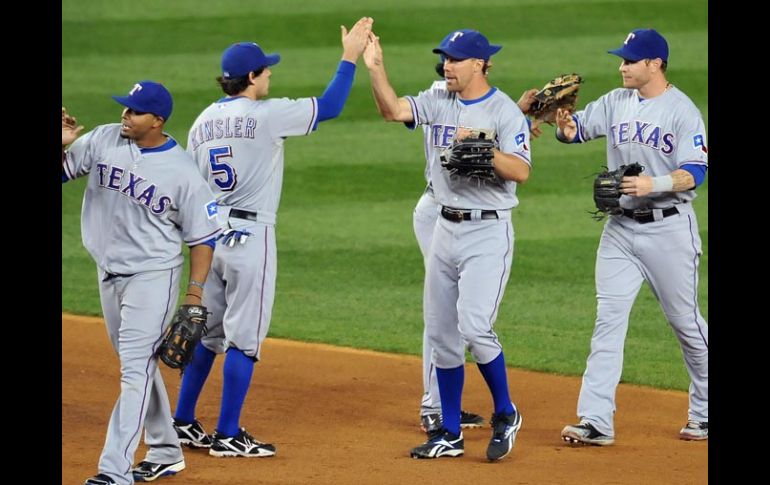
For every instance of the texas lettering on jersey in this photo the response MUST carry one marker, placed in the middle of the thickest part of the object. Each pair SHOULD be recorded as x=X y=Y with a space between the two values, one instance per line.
x=642 y=133
x=442 y=136
x=126 y=182
x=227 y=127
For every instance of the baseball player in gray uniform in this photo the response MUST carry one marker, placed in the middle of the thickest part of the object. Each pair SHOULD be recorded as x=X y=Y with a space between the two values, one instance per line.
x=144 y=198
x=426 y=213
x=237 y=143
x=656 y=239
x=473 y=238
x=423 y=221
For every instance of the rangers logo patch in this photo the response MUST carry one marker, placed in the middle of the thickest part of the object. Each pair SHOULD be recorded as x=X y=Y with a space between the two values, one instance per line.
x=211 y=209
x=697 y=142
x=520 y=141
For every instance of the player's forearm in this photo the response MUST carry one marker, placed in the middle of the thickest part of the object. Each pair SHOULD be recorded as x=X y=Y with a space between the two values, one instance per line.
x=385 y=96
x=510 y=167
x=682 y=180
x=200 y=263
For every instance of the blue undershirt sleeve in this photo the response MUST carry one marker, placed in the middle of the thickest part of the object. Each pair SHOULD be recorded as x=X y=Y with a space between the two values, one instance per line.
x=331 y=102
x=697 y=170
x=64 y=177
x=212 y=243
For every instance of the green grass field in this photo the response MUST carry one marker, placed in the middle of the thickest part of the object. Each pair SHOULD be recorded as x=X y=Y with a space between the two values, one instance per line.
x=350 y=272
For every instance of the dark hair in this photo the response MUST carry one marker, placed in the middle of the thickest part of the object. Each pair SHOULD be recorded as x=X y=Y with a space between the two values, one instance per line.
x=485 y=67
x=236 y=85
x=440 y=69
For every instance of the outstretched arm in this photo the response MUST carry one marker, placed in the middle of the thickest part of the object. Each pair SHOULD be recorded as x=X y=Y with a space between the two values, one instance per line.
x=524 y=103
x=390 y=106
x=333 y=99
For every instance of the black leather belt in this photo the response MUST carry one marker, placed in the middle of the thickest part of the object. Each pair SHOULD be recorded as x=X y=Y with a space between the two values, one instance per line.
x=248 y=215
x=643 y=216
x=109 y=276
x=458 y=215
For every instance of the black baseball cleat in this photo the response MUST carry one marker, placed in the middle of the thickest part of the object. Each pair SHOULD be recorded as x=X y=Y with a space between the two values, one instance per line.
x=470 y=420
x=694 y=431
x=192 y=434
x=504 y=429
x=147 y=471
x=100 y=479
x=431 y=423
x=443 y=443
x=584 y=432
x=242 y=444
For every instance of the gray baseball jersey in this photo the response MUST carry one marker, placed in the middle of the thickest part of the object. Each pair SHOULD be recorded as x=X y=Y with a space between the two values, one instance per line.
x=238 y=146
x=139 y=205
x=461 y=299
x=662 y=134
x=138 y=208
x=445 y=113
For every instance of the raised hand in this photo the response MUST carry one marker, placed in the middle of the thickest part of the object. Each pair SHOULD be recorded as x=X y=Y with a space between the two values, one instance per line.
x=566 y=124
x=373 y=52
x=69 y=128
x=526 y=99
x=354 y=42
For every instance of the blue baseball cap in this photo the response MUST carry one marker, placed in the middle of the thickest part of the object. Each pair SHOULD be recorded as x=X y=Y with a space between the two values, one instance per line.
x=148 y=97
x=240 y=59
x=643 y=44
x=466 y=44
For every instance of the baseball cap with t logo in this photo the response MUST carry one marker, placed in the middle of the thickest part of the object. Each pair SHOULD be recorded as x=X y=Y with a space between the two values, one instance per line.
x=466 y=44
x=148 y=97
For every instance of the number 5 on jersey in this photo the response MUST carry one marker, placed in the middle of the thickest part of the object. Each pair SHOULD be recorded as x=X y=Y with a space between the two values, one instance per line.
x=223 y=173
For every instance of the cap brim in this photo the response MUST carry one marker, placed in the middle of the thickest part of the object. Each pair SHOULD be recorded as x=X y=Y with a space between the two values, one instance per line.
x=459 y=55
x=626 y=54
x=130 y=102
x=272 y=59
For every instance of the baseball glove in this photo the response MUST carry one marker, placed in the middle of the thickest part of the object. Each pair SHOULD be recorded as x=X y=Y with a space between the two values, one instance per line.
x=186 y=330
x=560 y=92
x=470 y=157
x=607 y=189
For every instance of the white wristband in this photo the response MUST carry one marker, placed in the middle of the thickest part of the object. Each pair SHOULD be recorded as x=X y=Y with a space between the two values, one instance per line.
x=196 y=283
x=663 y=183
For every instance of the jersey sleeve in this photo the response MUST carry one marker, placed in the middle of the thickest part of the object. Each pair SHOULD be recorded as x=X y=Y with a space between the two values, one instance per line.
x=81 y=154
x=292 y=117
x=592 y=120
x=423 y=107
x=513 y=133
x=691 y=141
x=197 y=212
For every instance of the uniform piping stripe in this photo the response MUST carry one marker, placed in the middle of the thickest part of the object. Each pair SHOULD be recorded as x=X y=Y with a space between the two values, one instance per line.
x=262 y=294
x=500 y=286
x=695 y=281
x=312 y=116
x=524 y=157
x=579 y=135
x=415 y=111
x=204 y=238
x=147 y=379
x=694 y=162
x=67 y=169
